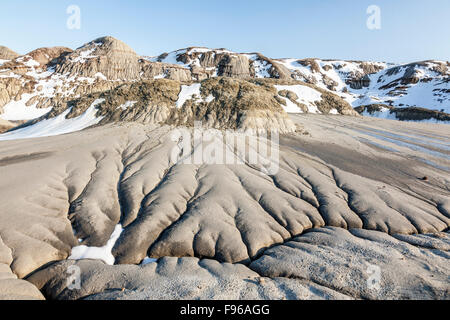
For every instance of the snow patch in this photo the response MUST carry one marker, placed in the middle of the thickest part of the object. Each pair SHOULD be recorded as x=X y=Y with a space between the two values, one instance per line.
x=171 y=58
x=127 y=105
x=199 y=50
x=10 y=75
x=209 y=98
x=30 y=61
x=333 y=111
x=188 y=93
x=57 y=125
x=306 y=95
x=98 y=253
x=18 y=111
x=100 y=76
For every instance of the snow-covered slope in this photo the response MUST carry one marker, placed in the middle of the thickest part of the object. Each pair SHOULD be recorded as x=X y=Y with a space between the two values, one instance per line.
x=420 y=84
x=57 y=125
x=204 y=63
x=423 y=84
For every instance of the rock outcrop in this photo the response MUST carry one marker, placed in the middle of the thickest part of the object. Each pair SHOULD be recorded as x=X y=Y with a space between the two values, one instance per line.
x=105 y=58
x=6 y=125
x=7 y=54
x=49 y=56
x=50 y=77
x=72 y=190
x=205 y=63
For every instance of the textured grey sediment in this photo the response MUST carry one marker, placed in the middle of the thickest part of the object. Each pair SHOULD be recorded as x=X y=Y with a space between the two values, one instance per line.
x=350 y=193
x=325 y=263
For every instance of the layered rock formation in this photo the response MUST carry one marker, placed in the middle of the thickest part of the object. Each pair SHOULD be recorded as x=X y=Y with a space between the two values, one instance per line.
x=104 y=58
x=419 y=85
x=290 y=271
x=48 y=77
x=7 y=54
x=204 y=63
x=405 y=113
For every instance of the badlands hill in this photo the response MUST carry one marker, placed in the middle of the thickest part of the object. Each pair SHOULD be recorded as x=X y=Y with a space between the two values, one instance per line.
x=7 y=54
x=50 y=82
x=55 y=78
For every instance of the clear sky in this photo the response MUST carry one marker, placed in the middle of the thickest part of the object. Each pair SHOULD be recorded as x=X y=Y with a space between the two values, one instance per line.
x=410 y=30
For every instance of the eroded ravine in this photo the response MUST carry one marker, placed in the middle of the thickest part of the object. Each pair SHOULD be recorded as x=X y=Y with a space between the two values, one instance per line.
x=228 y=213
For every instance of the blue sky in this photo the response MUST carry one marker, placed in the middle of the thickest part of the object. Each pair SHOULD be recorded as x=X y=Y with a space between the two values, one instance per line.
x=410 y=30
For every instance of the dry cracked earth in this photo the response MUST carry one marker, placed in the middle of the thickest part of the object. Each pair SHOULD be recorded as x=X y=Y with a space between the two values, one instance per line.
x=358 y=209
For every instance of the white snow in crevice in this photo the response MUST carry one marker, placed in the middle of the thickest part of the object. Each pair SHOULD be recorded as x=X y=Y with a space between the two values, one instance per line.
x=30 y=62
x=18 y=111
x=306 y=95
x=2 y=61
x=127 y=105
x=98 y=253
x=86 y=79
x=189 y=92
x=57 y=125
x=333 y=111
x=48 y=84
x=209 y=98
x=291 y=107
x=10 y=75
x=171 y=58
x=262 y=67
x=84 y=55
x=199 y=50
x=100 y=76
